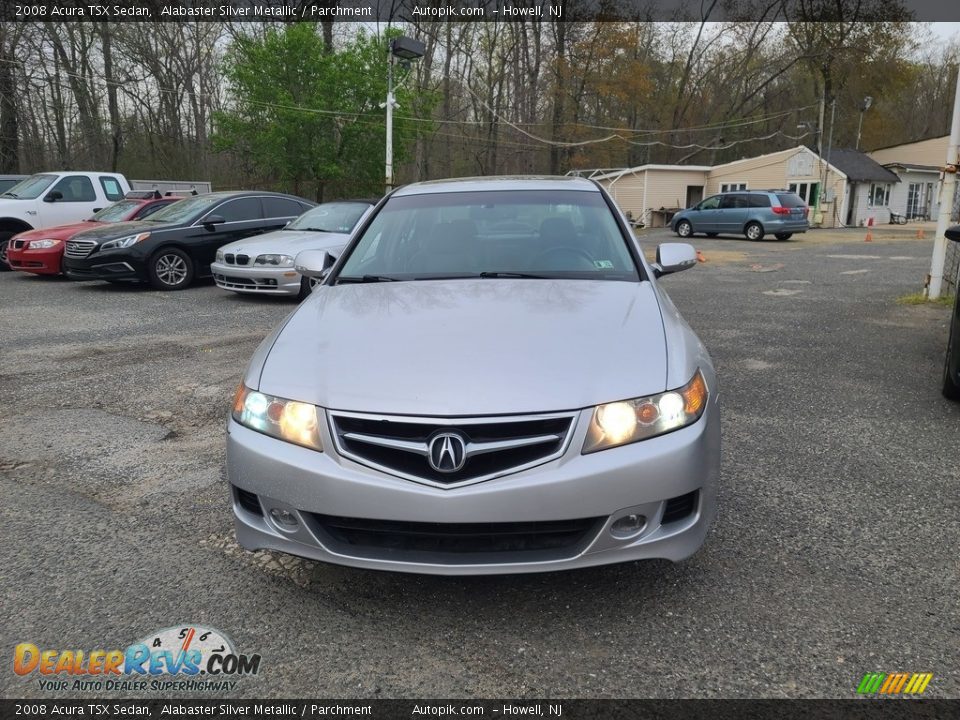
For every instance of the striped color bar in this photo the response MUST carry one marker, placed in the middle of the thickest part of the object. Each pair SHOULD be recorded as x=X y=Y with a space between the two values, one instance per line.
x=894 y=683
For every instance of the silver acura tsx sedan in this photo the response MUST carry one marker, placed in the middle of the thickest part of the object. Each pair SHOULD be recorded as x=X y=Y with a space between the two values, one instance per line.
x=489 y=379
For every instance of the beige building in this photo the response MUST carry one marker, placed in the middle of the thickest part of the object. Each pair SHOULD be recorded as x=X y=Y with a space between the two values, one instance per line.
x=651 y=194
x=918 y=164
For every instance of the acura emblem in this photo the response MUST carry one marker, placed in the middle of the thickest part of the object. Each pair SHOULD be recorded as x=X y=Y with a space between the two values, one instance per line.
x=448 y=453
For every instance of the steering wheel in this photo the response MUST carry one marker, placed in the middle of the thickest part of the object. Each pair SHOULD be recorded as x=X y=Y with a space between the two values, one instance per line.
x=572 y=252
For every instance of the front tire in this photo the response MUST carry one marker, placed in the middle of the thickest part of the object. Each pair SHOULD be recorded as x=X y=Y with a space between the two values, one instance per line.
x=306 y=287
x=684 y=229
x=783 y=236
x=951 y=390
x=4 y=244
x=753 y=231
x=170 y=269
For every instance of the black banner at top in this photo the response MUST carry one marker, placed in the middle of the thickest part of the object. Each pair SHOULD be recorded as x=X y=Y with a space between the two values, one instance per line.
x=478 y=10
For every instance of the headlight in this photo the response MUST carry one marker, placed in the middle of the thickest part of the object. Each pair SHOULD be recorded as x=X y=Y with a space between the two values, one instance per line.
x=41 y=244
x=125 y=241
x=288 y=420
x=219 y=256
x=277 y=260
x=628 y=421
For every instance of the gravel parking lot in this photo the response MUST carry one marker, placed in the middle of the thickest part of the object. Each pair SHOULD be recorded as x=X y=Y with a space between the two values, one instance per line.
x=835 y=552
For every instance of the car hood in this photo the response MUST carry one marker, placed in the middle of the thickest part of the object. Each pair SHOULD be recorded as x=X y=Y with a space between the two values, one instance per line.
x=60 y=232
x=287 y=242
x=109 y=231
x=470 y=347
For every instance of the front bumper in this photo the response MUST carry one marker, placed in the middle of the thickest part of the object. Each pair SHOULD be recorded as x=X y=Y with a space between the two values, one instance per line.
x=258 y=280
x=41 y=262
x=113 y=265
x=600 y=488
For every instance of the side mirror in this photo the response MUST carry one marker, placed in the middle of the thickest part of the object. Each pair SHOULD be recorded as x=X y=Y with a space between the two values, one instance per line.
x=210 y=221
x=674 y=257
x=314 y=263
x=53 y=196
x=953 y=233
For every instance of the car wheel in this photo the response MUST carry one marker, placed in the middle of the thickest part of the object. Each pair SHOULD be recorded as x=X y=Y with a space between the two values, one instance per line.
x=684 y=229
x=951 y=390
x=306 y=287
x=712 y=235
x=4 y=242
x=753 y=231
x=783 y=236
x=170 y=269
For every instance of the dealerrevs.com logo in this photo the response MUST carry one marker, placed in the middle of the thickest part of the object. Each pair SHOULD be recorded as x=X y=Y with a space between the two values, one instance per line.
x=180 y=658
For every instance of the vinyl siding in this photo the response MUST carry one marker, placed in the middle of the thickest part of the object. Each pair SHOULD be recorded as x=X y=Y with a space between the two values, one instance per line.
x=931 y=152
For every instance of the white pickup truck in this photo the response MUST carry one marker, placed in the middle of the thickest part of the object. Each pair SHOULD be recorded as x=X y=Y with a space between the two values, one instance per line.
x=58 y=198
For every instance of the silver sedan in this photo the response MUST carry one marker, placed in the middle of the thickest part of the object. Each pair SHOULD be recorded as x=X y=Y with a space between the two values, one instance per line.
x=489 y=379
x=263 y=264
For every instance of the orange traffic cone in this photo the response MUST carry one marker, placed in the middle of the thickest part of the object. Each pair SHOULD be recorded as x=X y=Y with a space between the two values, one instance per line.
x=869 y=237
x=920 y=233
x=700 y=257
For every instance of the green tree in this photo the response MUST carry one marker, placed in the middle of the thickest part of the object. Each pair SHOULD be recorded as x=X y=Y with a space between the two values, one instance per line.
x=310 y=118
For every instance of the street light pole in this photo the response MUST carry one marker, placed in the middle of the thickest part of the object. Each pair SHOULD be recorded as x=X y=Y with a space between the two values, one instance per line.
x=867 y=102
x=407 y=49
x=388 y=170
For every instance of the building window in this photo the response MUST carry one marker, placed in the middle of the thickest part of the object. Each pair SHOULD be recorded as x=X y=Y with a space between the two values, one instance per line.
x=731 y=187
x=879 y=194
x=808 y=192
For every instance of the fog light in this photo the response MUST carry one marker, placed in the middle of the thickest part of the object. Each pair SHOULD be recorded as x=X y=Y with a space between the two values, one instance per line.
x=628 y=526
x=283 y=518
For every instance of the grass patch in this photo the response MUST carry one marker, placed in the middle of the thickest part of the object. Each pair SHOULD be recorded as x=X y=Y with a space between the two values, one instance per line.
x=918 y=298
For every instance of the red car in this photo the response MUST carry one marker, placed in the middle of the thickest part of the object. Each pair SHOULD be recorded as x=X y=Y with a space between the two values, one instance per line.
x=40 y=251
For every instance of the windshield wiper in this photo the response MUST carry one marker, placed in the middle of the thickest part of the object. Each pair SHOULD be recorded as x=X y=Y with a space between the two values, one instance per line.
x=521 y=275
x=10 y=194
x=365 y=279
x=311 y=229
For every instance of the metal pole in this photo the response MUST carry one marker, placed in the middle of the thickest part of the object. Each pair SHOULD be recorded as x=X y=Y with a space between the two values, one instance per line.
x=859 y=128
x=388 y=171
x=826 y=168
x=947 y=189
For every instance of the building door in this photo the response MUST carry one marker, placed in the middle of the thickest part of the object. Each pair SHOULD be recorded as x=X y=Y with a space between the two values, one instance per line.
x=914 y=199
x=694 y=194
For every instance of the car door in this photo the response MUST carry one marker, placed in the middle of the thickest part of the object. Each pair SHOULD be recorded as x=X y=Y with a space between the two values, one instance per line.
x=732 y=214
x=705 y=217
x=78 y=200
x=241 y=217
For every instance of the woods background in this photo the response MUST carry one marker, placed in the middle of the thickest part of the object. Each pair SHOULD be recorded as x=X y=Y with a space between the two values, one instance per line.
x=297 y=107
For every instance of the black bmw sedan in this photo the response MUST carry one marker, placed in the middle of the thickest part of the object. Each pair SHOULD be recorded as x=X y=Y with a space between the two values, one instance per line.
x=177 y=244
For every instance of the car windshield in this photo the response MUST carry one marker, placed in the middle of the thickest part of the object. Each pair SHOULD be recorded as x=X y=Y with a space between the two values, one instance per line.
x=117 y=212
x=30 y=188
x=492 y=234
x=335 y=217
x=183 y=210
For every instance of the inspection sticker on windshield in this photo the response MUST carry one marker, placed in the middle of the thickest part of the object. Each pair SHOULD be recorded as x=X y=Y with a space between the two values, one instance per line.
x=603 y=264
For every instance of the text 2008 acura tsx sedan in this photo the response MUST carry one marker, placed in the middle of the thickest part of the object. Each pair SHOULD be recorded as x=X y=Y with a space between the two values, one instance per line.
x=488 y=380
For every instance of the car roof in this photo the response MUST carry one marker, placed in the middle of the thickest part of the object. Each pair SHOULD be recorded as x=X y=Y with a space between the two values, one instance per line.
x=223 y=194
x=507 y=183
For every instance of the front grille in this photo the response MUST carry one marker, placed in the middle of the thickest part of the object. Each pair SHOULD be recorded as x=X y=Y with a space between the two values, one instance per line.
x=79 y=248
x=229 y=282
x=232 y=259
x=457 y=542
x=679 y=507
x=491 y=446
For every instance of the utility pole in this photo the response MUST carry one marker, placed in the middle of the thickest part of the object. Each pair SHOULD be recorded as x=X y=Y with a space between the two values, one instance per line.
x=947 y=190
x=388 y=170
